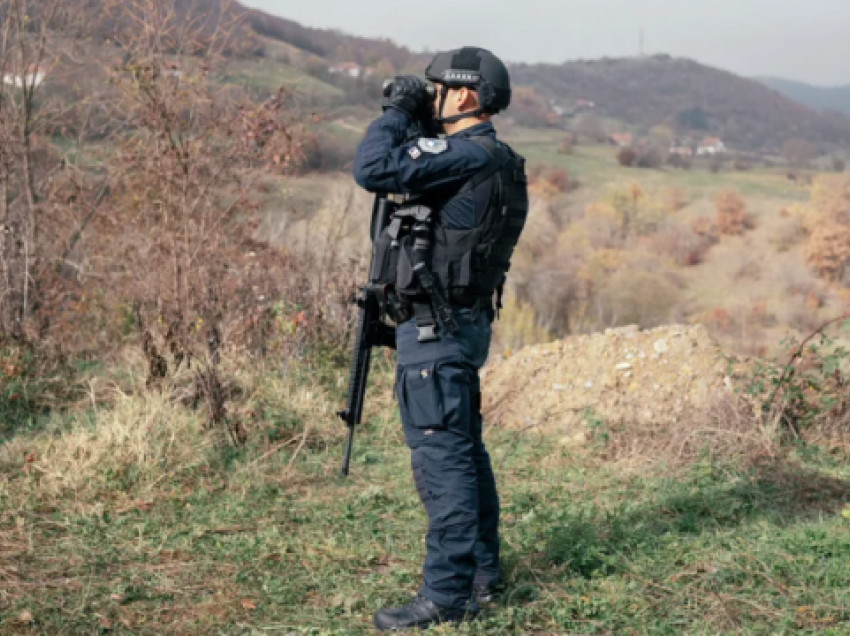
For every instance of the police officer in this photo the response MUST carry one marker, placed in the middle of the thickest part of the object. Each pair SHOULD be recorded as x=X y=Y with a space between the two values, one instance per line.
x=475 y=187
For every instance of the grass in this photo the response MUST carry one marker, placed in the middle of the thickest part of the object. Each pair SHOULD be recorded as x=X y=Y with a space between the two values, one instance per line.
x=268 y=75
x=268 y=539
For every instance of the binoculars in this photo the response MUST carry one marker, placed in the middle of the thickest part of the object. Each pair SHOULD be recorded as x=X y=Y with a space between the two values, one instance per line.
x=430 y=89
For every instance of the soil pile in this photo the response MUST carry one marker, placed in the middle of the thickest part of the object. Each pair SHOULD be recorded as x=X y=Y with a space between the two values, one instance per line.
x=656 y=377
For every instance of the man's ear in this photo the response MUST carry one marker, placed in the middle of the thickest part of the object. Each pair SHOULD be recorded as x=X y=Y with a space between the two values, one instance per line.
x=467 y=99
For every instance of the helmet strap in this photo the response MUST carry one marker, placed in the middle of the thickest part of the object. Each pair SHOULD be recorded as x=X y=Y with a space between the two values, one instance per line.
x=444 y=92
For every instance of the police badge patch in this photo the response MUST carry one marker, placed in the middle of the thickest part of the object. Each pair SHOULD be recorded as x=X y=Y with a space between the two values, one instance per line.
x=434 y=146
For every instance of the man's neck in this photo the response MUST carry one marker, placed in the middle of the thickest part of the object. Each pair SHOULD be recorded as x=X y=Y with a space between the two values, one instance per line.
x=463 y=124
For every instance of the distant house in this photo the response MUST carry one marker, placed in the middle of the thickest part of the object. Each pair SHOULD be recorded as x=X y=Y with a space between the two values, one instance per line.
x=33 y=77
x=711 y=146
x=351 y=69
x=682 y=151
x=623 y=140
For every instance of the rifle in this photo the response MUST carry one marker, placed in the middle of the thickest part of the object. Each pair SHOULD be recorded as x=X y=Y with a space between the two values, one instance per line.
x=374 y=301
x=372 y=331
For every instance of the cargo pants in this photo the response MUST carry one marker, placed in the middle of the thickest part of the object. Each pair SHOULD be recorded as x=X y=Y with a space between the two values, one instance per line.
x=439 y=396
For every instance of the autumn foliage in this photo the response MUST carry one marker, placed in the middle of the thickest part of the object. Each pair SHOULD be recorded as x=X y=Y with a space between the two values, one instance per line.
x=827 y=221
x=730 y=217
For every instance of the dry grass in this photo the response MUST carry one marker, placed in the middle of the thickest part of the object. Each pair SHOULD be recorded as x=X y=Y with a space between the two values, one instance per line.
x=142 y=438
x=134 y=443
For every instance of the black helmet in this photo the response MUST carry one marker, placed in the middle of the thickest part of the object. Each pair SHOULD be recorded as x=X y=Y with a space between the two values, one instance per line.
x=473 y=68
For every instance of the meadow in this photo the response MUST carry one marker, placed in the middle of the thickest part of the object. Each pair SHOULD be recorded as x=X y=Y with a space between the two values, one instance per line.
x=126 y=515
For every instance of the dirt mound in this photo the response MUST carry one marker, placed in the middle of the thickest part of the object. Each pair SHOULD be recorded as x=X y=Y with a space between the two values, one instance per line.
x=655 y=377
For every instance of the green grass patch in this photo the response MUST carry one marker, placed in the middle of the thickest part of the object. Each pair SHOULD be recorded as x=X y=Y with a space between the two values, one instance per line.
x=257 y=542
x=268 y=75
x=596 y=166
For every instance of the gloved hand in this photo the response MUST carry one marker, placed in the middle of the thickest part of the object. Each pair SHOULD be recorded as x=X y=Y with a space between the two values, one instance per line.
x=408 y=94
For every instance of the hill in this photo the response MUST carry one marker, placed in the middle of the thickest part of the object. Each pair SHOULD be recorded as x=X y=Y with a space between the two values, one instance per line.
x=685 y=95
x=638 y=93
x=682 y=94
x=836 y=98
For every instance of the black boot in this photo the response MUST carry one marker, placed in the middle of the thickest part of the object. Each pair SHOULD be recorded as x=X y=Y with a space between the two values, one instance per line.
x=419 y=613
x=486 y=593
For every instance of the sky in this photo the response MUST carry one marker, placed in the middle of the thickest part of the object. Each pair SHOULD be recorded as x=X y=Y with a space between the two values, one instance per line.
x=806 y=40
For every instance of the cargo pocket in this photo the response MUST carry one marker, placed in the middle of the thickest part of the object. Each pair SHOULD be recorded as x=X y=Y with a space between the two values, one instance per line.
x=420 y=396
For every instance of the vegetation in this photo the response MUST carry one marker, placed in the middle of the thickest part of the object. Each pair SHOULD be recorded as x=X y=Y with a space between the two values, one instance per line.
x=125 y=515
x=169 y=378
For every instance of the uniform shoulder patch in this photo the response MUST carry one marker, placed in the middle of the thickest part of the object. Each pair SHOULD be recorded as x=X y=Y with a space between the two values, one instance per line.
x=434 y=146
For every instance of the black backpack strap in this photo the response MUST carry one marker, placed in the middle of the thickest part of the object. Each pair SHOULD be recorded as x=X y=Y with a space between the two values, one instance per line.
x=426 y=323
x=498 y=159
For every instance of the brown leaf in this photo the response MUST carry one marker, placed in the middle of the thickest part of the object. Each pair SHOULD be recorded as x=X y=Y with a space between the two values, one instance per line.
x=248 y=604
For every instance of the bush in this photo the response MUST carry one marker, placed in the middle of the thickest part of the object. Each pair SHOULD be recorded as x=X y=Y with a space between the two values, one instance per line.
x=731 y=209
x=682 y=244
x=626 y=157
x=322 y=152
x=828 y=250
x=559 y=179
x=640 y=293
x=649 y=157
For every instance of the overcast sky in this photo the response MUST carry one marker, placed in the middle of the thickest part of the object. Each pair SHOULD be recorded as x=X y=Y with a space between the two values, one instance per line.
x=806 y=40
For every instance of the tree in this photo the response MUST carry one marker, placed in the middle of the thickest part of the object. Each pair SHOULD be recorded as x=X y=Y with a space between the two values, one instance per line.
x=34 y=41
x=649 y=156
x=626 y=157
x=798 y=153
x=828 y=250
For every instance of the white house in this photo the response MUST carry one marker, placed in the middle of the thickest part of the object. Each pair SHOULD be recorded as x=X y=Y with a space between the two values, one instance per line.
x=711 y=146
x=33 y=77
x=351 y=69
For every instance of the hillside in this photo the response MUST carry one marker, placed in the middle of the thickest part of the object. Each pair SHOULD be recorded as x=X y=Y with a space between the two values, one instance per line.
x=685 y=95
x=637 y=93
x=820 y=98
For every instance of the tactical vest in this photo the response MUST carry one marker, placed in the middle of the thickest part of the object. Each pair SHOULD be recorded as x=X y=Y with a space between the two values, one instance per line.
x=469 y=266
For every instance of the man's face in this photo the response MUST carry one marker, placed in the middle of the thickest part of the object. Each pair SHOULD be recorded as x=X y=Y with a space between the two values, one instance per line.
x=457 y=101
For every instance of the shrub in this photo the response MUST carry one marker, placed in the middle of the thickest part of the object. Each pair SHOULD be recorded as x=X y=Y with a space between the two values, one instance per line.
x=641 y=293
x=559 y=179
x=626 y=157
x=681 y=243
x=730 y=217
x=649 y=157
x=828 y=250
x=518 y=326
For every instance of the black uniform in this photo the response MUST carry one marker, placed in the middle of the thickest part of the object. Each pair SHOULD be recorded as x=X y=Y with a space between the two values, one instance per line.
x=437 y=383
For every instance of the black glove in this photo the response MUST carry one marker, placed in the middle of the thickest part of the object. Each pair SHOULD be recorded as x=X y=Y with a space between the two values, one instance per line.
x=408 y=94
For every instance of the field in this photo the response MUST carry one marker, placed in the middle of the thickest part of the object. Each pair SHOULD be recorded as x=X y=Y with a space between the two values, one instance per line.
x=267 y=75
x=595 y=166
x=124 y=516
